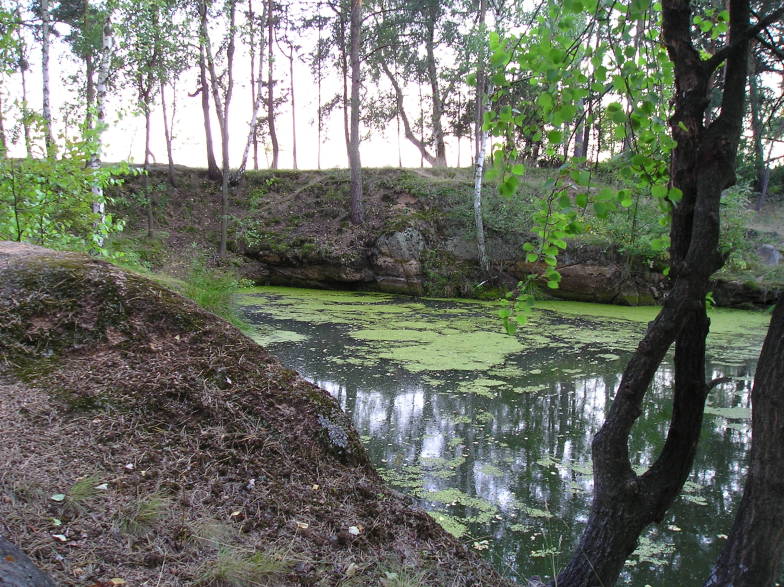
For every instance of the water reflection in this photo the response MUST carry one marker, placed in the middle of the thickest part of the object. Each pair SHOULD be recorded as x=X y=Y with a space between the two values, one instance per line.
x=510 y=469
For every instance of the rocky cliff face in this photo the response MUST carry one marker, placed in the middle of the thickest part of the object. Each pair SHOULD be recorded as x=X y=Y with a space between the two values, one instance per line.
x=293 y=228
x=405 y=262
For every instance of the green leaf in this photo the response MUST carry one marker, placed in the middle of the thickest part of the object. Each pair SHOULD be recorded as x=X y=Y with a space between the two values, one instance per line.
x=555 y=136
x=531 y=257
x=545 y=101
x=659 y=190
x=518 y=169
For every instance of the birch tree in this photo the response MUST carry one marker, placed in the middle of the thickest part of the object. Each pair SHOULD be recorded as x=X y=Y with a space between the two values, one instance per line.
x=107 y=49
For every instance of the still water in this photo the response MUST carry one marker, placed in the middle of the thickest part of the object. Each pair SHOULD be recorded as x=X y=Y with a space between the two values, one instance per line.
x=491 y=433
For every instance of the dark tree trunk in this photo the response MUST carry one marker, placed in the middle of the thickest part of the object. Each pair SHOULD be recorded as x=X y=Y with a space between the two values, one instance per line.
x=17 y=570
x=755 y=548
x=702 y=166
x=432 y=74
x=407 y=129
x=270 y=86
x=357 y=211
x=213 y=171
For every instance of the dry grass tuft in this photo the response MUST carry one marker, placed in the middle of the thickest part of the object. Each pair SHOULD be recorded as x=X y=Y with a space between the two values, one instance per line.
x=235 y=568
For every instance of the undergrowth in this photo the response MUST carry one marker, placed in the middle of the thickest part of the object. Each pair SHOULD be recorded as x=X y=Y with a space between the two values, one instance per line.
x=213 y=289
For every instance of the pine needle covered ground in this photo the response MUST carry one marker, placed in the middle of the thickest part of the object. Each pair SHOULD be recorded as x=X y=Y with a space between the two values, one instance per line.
x=146 y=441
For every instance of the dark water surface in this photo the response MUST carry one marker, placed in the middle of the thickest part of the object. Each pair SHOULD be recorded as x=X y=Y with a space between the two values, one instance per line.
x=491 y=433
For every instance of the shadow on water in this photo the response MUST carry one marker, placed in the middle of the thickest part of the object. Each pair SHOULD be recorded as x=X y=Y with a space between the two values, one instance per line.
x=491 y=433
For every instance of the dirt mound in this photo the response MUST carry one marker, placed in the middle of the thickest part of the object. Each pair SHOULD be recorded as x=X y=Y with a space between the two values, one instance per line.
x=146 y=441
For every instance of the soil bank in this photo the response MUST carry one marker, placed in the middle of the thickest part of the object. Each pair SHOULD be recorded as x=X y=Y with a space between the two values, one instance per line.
x=293 y=228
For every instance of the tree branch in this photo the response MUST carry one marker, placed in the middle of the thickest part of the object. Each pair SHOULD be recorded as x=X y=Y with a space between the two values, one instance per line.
x=751 y=32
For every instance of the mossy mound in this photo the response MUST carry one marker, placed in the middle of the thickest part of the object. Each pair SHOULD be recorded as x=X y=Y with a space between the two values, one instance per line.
x=146 y=440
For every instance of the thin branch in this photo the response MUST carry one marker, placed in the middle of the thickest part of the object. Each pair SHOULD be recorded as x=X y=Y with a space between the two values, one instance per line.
x=751 y=32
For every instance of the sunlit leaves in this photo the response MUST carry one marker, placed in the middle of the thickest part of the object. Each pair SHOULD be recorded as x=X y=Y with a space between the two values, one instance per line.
x=612 y=73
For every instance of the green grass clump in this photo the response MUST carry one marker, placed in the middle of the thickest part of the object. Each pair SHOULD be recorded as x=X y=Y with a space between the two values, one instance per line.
x=82 y=490
x=236 y=568
x=213 y=289
x=142 y=516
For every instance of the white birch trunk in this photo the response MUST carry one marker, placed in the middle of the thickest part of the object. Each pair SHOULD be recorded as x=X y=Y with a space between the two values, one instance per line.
x=256 y=102
x=46 y=108
x=107 y=49
x=484 y=263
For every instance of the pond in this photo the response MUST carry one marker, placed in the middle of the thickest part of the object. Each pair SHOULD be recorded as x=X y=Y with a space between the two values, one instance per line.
x=491 y=433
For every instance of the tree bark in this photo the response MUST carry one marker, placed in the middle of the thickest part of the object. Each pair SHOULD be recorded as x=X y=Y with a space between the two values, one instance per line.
x=270 y=86
x=754 y=551
x=481 y=80
x=293 y=112
x=760 y=165
x=257 y=94
x=22 y=60
x=46 y=107
x=89 y=70
x=107 y=48
x=253 y=77
x=438 y=110
x=213 y=171
x=146 y=168
x=702 y=166
x=168 y=132
x=222 y=107
x=407 y=130
x=484 y=262
x=357 y=210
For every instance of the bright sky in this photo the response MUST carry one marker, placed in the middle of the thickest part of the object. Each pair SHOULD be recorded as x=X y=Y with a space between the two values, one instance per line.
x=124 y=139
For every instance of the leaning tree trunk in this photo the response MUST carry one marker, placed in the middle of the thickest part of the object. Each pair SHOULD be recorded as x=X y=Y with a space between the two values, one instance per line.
x=357 y=211
x=754 y=551
x=213 y=172
x=702 y=166
x=437 y=114
x=401 y=112
x=168 y=131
